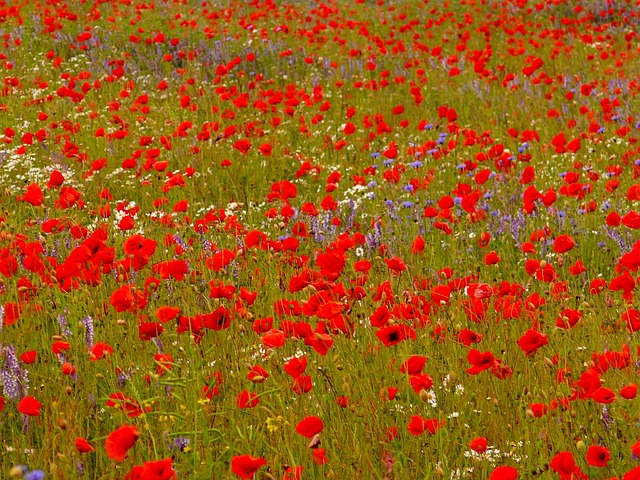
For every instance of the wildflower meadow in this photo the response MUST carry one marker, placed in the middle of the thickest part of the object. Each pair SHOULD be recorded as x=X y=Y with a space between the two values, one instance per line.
x=319 y=239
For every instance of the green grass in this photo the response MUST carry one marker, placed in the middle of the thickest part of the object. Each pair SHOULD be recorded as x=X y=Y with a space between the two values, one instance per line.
x=299 y=103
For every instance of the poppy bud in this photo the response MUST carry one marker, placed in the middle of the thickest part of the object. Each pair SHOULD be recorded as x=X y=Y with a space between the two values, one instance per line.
x=315 y=441
x=629 y=392
x=346 y=387
x=17 y=471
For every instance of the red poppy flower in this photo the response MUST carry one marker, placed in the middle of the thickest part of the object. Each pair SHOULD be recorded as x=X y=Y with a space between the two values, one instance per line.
x=331 y=263
x=528 y=175
x=479 y=291
x=395 y=334
x=491 y=258
x=414 y=364
x=635 y=448
x=166 y=313
x=149 y=330
x=631 y=220
x=29 y=406
x=128 y=299
x=219 y=319
x=127 y=223
x=483 y=239
x=577 y=268
x=296 y=366
x=12 y=312
x=265 y=149
x=257 y=374
x=629 y=392
x=99 y=350
x=68 y=368
x=418 y=425
x=625 y=283
x=29 y=356
x=480 y=361
x=83 y=446
x=328 y=203
x=33 y=195
x=538 y=409
x=441 y=294
x=309 y=426
x=395 y=265
x=274 y=338
x=176 y=269
x=220 y=260
x=55 y=179
x=420 y=381
x=321 y=342
x=220 y=290
x=568 y=318
x=633 y=474
x=247 y=399
x=564 y=465
x=302 y=384
x=613 y=219
x=418 y=244
x=504 y=473
x=120 y=441
x=598 y=456
x=164 y=362
x=245 y=466
x=478 y=445
x=139 y=249
x=391 y=152
x=468 y=337
x=158 y=470
x=380 y=316
x=531 y=341
x=293 y=473
x=60 y=346
x=319 y=457
x=444 y=227
x=604 y=395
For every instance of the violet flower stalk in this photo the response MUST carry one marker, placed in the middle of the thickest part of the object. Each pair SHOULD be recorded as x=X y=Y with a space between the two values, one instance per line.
x=89 y=331
x=14 y=378
x=64 y=327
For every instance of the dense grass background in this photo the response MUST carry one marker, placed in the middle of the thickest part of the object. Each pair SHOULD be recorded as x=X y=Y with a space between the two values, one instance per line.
x=190 y=132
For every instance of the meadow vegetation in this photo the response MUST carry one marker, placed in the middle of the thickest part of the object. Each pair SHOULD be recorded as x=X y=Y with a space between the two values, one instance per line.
x=319 y=239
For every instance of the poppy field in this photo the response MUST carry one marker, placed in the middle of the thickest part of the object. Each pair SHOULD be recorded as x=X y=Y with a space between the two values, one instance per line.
x=319 y=239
